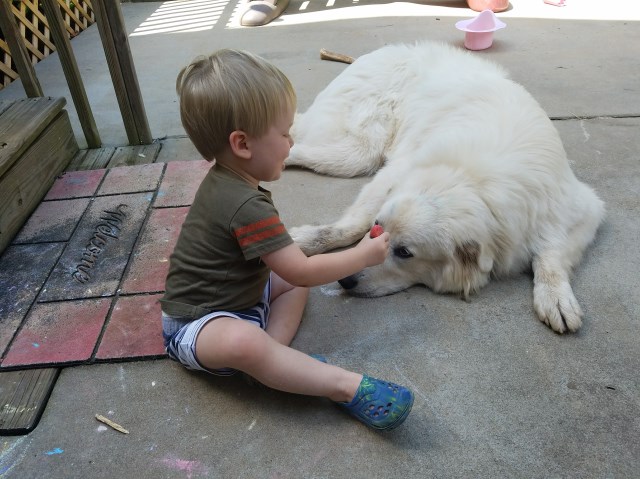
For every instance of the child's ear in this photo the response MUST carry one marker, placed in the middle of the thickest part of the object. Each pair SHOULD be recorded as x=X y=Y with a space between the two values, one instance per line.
x=239 y=144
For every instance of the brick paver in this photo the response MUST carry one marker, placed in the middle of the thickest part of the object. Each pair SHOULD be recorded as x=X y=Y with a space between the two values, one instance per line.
x=55 y=333
x=134 y=329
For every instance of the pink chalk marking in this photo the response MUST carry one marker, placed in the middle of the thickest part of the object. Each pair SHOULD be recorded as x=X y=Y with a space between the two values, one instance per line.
x=184 y=465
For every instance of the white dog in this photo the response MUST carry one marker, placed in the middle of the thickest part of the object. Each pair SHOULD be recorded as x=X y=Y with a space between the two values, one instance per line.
x=472 y=180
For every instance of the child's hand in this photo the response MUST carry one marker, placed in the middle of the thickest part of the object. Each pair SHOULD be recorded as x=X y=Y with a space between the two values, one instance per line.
x=375 y=249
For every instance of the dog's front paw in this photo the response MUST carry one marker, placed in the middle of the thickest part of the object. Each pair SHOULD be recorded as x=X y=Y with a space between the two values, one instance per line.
x=557 y=307
x=311 y=239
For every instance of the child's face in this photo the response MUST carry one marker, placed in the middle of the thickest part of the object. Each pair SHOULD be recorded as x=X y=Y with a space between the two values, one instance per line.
x=269 y=151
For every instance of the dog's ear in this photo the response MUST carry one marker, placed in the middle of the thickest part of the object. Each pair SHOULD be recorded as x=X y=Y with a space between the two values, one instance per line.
x=471 y=254
x=474 y=265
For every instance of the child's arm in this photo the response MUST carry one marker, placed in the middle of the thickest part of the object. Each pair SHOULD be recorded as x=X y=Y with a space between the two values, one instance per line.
x=292 y=265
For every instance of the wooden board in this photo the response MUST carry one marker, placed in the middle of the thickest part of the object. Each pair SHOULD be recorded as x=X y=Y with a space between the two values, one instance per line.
x=110 y=157
x=22 y=123
x=71 y=72
x=135 y=155
x=19 y=53
x=77 y=161
x=24 y=185
x=23 y=398
x=115 y=42
x=3 y=106
x=93 y=159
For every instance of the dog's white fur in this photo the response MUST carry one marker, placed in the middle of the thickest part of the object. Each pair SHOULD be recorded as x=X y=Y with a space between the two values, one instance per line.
x=471 y=178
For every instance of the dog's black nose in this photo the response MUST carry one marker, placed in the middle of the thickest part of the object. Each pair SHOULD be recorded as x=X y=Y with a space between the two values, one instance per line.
x=349 y=282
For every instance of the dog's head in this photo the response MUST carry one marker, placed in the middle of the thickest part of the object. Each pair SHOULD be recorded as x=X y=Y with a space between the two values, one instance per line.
x=442 y=240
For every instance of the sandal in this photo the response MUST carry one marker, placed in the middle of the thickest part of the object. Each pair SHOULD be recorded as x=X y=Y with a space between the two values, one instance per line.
x=379 y=404
x=261 y=12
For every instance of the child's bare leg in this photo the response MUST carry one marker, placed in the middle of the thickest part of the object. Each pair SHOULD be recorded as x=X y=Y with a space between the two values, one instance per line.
x=233 y=343
x=287 y=306
x=227 y=342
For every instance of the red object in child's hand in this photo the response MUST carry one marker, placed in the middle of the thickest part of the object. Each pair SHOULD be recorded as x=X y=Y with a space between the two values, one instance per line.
x=376 y=231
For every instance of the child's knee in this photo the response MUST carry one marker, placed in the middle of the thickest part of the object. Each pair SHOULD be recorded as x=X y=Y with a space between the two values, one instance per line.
x=244 y=345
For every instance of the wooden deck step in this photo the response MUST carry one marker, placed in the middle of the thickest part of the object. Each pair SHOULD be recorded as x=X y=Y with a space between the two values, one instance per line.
x=36 y=144
x=23 y=398
x=21 y=123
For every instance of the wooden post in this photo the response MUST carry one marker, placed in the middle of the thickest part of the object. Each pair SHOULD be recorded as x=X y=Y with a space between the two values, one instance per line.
x=18 y=51
x=71 y=73
x=123 y=74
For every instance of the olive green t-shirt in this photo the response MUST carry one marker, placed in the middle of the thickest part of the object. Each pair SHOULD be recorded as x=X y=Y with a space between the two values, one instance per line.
x=216 y=261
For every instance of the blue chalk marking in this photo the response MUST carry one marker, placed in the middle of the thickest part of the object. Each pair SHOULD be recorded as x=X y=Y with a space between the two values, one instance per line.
x=52 y=452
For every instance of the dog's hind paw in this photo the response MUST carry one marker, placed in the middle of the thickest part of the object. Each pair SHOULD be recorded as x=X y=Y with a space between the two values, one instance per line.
x=557 y=307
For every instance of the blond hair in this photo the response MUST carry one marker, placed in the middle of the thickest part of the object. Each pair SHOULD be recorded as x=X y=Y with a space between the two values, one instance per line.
x=230 y=90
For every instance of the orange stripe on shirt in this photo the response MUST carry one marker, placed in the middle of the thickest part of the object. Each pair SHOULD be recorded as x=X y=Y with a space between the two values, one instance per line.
x=262 y=235
x=256 y=226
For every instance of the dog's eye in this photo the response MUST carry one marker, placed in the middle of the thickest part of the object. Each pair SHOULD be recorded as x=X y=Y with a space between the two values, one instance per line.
x=402 y=252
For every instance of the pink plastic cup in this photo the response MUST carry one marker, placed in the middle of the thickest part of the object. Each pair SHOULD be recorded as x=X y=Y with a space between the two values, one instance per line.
x=479 y=30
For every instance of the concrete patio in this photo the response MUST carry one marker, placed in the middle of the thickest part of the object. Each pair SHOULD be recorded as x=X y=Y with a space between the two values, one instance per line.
x=498 y=394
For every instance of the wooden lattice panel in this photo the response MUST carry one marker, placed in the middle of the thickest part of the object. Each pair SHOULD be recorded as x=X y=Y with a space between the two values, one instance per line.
x=34 y=27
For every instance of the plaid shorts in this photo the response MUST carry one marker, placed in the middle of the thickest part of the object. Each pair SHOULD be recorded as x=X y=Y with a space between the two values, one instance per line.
x=180 y=336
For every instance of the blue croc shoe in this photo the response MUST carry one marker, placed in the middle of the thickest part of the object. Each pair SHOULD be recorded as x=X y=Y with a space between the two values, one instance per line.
x=380 y=404
x=319 y=357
